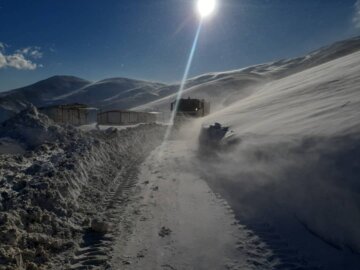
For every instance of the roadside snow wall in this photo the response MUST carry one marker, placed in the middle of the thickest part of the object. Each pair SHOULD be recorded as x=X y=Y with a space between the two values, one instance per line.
x=49 y=194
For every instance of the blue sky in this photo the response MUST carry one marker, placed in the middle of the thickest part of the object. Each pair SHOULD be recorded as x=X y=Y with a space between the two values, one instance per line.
x=151 y=39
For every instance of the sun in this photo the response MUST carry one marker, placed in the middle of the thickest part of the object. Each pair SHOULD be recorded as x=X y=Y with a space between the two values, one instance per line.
x=206 y=7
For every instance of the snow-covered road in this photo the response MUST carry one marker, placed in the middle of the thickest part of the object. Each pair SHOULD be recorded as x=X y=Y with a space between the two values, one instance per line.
x=176 y=222
x=165 y=214
x=181 y=224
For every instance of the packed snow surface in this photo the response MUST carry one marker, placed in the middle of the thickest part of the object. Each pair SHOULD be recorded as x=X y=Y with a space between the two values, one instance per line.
x=178 y=217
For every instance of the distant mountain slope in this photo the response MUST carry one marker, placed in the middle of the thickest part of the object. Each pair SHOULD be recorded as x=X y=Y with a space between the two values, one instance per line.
x=114 y=93
x=44 y=91
x=119 y=93
x=40 y=93
x=224 y=88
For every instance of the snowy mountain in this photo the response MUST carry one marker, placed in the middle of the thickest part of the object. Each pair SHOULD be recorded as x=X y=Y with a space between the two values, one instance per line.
x=45 y=91
x=110 y=93
x=113 y=93
x=224 y=88
x=220 y=88
x=40 y=93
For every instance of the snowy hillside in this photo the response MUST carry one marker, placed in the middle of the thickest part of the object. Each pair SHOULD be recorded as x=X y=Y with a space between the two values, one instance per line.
x=224 y=88
x=297 y=165
x=302 y=132
x=321 y=100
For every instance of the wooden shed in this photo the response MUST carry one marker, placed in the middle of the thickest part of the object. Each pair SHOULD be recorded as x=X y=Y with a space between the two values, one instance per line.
x=74 y=114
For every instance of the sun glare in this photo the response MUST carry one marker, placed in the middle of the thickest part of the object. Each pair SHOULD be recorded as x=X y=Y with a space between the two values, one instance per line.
x=206 y=7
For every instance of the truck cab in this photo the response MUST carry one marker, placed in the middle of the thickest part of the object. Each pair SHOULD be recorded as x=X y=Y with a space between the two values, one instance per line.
x=190 y=108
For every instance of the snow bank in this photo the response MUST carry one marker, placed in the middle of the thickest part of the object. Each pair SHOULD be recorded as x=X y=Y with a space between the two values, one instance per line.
x=49 y=194
x=299 y=153
x=31 y=128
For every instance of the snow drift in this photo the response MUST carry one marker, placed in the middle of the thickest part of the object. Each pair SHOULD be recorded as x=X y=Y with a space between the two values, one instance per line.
x=298 y=160
x=31 y=128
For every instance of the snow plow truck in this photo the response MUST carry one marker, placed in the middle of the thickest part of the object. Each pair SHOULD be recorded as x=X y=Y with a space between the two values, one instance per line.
x=189 y=108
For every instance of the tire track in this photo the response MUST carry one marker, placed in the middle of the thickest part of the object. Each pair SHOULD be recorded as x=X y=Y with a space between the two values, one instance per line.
x=95 y=249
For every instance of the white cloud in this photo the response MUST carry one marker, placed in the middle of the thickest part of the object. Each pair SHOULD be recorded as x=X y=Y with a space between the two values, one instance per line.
x=21 y=59
x=356 y=18
x=18 y=61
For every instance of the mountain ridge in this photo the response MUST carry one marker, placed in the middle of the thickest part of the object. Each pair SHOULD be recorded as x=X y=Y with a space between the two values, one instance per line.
x=126 y=93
